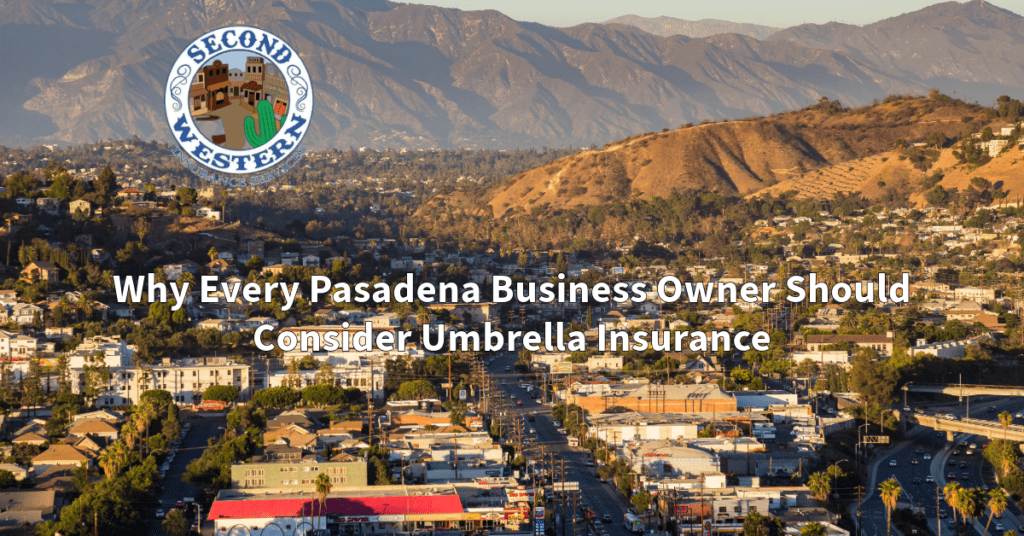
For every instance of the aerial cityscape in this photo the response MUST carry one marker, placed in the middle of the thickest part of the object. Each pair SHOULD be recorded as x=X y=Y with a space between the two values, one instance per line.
x=373 y=268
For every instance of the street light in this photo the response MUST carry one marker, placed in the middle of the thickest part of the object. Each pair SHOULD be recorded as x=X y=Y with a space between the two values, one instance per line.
x=857 y=448
x=834 y=479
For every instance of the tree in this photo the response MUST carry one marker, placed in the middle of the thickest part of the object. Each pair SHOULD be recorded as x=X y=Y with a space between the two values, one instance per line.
x=322 y=488
x=212 y=253
x=158 y=397
x=952 y=493
x=889 y=491
x=996 y=505
x=813 y=529
x=457 y=413
x=970 y=503
x=323 y=395
x=1005 y=420
x=874 y=380
x=757 y=525
x=175 y=524
x=276 y=397
x=105 y=183
x=247 y=416
x=820 y=485
x=7 y=479
x=415 y=390
x=221 y=393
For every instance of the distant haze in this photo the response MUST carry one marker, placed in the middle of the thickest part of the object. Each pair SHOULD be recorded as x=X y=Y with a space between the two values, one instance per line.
x=668 y=26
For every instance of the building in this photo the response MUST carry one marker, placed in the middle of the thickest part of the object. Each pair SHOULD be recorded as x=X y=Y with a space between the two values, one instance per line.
x=41 y=271
x=298 y=475
x=761 y=400
x=60 y=455
x=659 y=399
x=185 y=379
x=880 y=343
x=617 y=429
x=80 y=204
x=669 y=458
x=823 y=358
x=372 y=509
x=471 y=313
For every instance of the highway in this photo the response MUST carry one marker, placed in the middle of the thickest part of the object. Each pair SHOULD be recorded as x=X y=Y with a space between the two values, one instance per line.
x=602 y=498
x=949 y=462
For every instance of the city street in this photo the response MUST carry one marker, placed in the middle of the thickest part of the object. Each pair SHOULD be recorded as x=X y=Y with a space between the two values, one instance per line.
x=603 y=498
x=192 y=447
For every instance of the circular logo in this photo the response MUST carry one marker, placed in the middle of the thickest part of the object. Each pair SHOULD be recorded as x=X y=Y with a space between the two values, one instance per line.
x=238 y=101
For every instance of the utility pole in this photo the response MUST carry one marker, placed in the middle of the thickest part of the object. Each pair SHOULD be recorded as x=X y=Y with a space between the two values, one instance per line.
x=938 y=518
x=564 y=492
x=860 y=501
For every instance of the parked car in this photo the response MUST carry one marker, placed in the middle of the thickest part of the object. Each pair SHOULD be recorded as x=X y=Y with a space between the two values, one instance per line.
x=159 y=514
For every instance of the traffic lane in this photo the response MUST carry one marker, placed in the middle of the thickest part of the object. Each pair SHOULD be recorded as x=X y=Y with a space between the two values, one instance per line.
x=873 y=515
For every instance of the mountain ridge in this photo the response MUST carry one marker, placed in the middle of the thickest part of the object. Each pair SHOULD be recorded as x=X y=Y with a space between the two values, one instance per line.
x=418 y=76
x=669 y=26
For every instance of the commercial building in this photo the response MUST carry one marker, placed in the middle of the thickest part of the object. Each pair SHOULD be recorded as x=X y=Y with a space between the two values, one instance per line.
x=659 y=399
x=297 y=475
x=372 y=509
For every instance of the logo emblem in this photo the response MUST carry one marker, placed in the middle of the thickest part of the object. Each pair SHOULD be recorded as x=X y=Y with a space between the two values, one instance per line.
x=239 y=101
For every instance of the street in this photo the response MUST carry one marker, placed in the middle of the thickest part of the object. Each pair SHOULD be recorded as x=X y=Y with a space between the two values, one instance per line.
x=602 y=498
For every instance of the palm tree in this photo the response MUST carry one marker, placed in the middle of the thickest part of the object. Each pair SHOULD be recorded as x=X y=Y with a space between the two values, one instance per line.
x=952 y=492
x=84 y=305
x=996 y=502
x=813 y=529
x=322 y=487
x=819 y=485
x=1005 y=419
x=212 y=253
x=890 y=493
x=175 y=524
x=970 y=503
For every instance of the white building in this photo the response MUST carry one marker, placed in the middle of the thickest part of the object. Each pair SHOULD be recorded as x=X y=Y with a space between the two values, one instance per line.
x=185 y=379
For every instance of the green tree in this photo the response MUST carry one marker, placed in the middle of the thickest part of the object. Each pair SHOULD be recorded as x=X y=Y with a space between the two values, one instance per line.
x=106 y=183
x=820 y=485
x=175 y=524
x=813 y=529
x=323 y=395
x=1005 y=420
x=322 y=487
x=276 y=397
x=952 y=496
x=996 y=505
x=221 y=393
x=415 y=390
x=889 y=491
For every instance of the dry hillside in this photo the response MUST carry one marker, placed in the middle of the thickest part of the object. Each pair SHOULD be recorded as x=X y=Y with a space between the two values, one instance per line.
x=735 y=157
x=873 y=176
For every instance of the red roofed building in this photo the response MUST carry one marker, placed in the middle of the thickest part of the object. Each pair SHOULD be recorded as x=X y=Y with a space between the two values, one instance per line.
x=387 y=509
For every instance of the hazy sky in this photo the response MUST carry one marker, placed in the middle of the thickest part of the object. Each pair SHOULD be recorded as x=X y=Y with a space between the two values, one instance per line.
x=770 y=13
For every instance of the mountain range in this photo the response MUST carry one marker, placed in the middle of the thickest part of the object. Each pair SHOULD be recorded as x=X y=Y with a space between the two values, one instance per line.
x=398 y=75
x=669 y=26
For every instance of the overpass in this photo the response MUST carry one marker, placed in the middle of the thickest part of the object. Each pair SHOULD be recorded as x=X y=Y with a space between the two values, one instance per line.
x=989 y=429
x=956 y=389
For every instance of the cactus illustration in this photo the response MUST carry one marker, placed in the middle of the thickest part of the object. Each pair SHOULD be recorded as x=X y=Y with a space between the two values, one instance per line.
x=267 y=125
